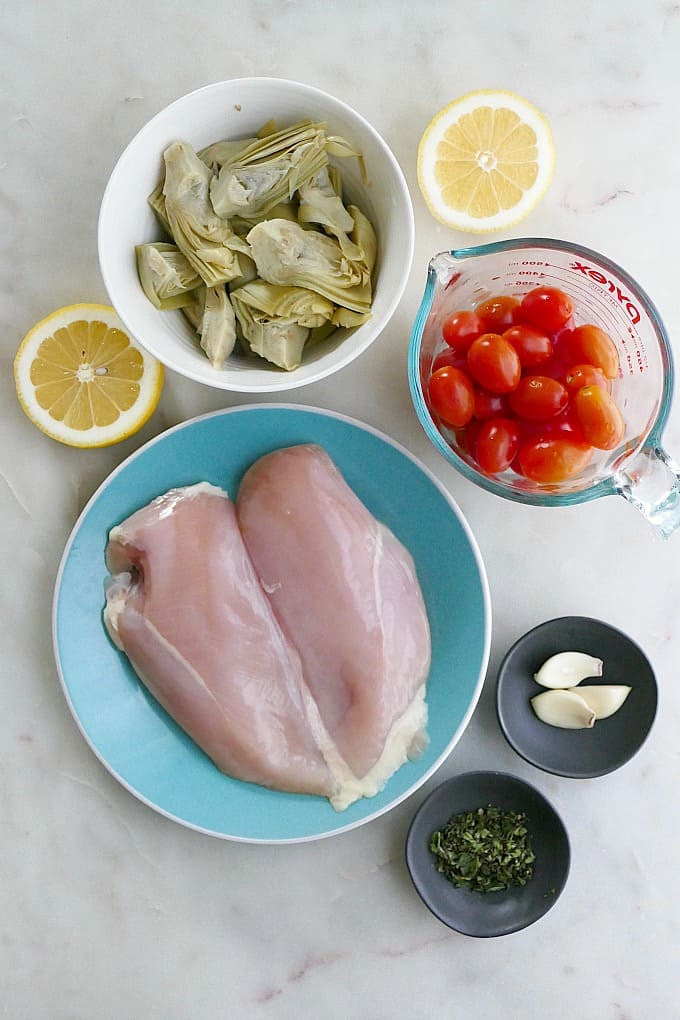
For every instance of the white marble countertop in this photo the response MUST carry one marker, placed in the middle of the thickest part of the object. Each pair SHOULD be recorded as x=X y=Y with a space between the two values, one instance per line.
x=110 y=910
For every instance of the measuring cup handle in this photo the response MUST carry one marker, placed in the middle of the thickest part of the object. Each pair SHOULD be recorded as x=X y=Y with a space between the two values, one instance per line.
x=650 y=481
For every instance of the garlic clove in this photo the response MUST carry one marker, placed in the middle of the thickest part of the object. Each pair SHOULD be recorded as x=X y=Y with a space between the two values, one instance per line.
x=567 y=669
x=604 y=699
x=565 y=709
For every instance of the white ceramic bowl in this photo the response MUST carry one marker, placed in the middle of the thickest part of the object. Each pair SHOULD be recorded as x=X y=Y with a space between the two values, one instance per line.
x=236 y=109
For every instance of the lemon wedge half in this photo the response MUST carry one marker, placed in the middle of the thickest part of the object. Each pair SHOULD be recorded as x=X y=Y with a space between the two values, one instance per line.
x=485 y=161
x=83 y=380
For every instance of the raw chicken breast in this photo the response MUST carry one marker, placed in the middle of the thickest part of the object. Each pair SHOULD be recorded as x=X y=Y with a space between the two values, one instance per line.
x=186 y=606
x=346 y=594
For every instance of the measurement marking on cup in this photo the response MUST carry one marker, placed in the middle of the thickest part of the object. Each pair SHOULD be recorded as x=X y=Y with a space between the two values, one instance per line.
x=613 y=288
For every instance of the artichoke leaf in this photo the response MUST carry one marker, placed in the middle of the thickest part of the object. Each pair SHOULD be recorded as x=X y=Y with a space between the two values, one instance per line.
x=349 y=319
x=166 y=275
x=335 y=178
x=282 y=211
x=364 y=237
x=193 y=310
x=275 y=143
x=157 y=202
x=216 y=155
x=341 y=148
x=296 y=304
x=320 y=333
x=248 y=273
x=268 y=128
x=360 y=246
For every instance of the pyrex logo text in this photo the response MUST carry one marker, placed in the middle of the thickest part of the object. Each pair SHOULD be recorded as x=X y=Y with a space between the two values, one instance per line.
x=598 y=277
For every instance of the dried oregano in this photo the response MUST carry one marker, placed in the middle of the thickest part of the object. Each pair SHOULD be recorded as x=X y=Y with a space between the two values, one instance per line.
x=485 y=850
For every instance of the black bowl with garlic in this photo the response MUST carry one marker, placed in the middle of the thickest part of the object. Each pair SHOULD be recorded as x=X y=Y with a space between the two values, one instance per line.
x=576 y=697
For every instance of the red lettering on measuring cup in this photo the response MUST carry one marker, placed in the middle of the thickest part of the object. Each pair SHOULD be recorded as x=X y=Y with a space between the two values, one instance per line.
x=598 y=277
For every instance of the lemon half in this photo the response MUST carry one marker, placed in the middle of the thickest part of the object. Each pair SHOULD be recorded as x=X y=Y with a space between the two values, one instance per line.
x=485 y=161
x=82 y=380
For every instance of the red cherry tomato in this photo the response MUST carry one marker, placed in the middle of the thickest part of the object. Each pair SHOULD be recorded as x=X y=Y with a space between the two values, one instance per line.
x=461 y=328
x=494 y=363
x=545 y=308
x=452 y=396
x=538 y=397
x=590 y=344
x=578 y=376
x=567 y=424
x=544 y=426
x=561 y=358
x=490 y=405
x=466 y=439
x=533 y=347
x=564 y=425
x=554 y=459
x=600 y=419
x=496 y=445
x=497 y=313
x=448 y=357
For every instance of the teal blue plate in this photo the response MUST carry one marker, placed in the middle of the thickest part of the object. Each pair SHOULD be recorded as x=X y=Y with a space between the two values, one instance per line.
x=133 y=736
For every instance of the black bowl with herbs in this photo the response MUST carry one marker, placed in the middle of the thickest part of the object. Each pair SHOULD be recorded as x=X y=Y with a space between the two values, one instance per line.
x=487 y=853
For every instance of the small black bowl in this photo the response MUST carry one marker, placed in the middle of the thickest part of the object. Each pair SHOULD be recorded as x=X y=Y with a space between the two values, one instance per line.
x=577 y=754
x=486 y=915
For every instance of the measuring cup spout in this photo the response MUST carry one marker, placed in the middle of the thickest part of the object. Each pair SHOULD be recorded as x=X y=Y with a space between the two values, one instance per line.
x=651 y=483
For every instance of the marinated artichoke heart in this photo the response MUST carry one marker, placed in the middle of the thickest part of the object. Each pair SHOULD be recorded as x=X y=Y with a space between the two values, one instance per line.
x=278 y=322
x=262 y=249
x=269 y=171
x=217 y=328
x=213 y=156
x=321 y=202
x=166 y=275
x=212 y=316
x=286 y=254
x=208 y=241
x=280 y=341
x=361 y=247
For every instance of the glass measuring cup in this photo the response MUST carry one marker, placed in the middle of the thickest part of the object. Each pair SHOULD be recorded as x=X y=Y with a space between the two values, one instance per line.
x=602 y=293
